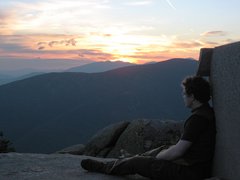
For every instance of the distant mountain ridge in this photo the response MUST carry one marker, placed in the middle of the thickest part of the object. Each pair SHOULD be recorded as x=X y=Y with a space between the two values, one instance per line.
x=47 y=112
x=94 y=67
x=99 y=66
x=8 y=79
x=13 y=65
x=12 y=69
x=4 y=78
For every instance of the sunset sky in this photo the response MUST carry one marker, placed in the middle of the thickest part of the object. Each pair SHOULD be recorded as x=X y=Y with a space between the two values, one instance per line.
x=136 y=31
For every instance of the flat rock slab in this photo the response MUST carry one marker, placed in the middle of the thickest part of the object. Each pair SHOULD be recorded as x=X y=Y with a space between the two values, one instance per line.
x=19 y=166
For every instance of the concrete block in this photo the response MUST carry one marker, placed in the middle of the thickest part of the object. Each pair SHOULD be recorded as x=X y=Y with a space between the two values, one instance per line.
x=205 y=58
x=225 y=78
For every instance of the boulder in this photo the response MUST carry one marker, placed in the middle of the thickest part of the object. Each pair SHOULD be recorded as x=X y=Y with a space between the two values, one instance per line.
x=145 y=134
x=101 y=143
x=77 y=149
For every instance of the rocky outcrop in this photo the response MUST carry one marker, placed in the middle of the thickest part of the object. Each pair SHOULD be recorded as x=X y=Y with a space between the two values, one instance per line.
x=143 y=135
x=15 y=166
x=105 y=139
x=134 y=137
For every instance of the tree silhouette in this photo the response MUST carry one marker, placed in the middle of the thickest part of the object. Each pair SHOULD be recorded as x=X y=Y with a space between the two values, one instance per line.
x=5 y=144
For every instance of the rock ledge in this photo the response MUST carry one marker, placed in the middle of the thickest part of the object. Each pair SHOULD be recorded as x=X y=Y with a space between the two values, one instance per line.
x=15 y=166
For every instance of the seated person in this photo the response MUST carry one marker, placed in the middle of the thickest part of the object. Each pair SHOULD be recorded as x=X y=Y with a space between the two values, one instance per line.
x=190 y=159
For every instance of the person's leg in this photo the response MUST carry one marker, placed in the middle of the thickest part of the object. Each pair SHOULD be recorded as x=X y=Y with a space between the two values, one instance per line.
x=133 y=165
x=145 y=166
x=167 y=170
x=152 y=152
x=153 y=168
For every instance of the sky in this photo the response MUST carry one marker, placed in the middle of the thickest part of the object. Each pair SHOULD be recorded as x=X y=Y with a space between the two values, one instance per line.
x=137 y=31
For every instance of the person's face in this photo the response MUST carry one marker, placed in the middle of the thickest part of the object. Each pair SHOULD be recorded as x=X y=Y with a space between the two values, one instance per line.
x=188 y=99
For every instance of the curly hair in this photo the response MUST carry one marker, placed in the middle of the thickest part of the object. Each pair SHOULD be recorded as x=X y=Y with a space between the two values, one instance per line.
x=198 y=87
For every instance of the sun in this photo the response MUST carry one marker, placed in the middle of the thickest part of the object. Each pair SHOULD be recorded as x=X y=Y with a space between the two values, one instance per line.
x=122 y=47
x=126 y=59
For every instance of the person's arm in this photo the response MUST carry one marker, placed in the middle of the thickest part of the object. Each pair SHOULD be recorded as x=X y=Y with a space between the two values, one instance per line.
x=174 y=151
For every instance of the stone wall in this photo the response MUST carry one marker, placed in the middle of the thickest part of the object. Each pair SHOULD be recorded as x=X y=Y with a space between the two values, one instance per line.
x=224 y=70
x=225 y=78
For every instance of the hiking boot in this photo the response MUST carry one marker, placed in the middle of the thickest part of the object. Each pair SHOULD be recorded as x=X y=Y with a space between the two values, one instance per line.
x=93 y=165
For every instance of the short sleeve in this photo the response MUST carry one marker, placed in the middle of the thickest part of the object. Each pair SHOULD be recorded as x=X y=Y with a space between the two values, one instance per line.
x=193 y=128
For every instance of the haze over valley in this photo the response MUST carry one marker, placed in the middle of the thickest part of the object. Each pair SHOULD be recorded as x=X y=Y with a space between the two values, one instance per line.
x=47 y=112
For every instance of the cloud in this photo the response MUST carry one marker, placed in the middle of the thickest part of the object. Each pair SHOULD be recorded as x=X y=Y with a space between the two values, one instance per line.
x=10 y=43
x=24 y=46
x=139 y=3
x=63 y=42
x=41 y=47
x=191 y=44
x=51 y=16
x=3 y=18
x=143 y=56
x=170 y=4
x=96 y=55
x=61 y=46
x=69 y=42
x=148 y=56
x=214 y=33
x=211 y=43
x=100 y=34
x=41 y=43
x=7 y=21
x=230 y=40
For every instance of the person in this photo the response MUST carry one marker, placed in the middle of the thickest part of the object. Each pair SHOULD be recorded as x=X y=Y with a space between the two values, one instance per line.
x=190 y=159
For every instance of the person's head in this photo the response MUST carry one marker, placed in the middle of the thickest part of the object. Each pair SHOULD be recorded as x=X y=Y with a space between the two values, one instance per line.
x=196 y=90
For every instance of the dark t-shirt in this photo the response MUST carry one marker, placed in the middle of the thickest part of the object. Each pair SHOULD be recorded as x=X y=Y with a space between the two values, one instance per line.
x=200 y=129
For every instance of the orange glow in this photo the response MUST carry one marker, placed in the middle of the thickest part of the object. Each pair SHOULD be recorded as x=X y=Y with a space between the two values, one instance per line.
x=138 y=49
x=99 y=31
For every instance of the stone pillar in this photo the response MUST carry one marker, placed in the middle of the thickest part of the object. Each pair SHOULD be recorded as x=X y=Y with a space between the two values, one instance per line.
x=205 y=59
x=225 y=79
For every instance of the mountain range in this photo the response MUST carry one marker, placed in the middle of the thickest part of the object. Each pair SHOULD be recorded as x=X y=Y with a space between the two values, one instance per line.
x=23 y=73
x=99 y=66
x=12 y=69
x=19 y=67
x=5 y=79
x=48 y=112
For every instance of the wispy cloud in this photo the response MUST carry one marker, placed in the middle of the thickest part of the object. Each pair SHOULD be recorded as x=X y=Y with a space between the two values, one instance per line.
x=51 y=16
x=100 y=29
x=97 y=55
x=170 y=4
x=142 y=57
x=41 y=47
x=11 y=43
x=230 y=40
x=214 y=33
x=100 y=34
x=211 y=43
x=7 y=21
x=138 y=3
x=63 y=46
x=70 y=42
x=189 y=44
